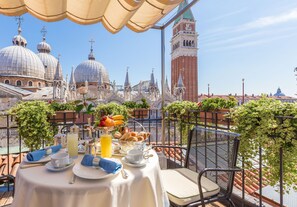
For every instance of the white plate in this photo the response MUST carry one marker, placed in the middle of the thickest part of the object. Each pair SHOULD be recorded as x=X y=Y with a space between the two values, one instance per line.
x=141 y=164
x=50 y=167
x=46 y=158
x=93 y=172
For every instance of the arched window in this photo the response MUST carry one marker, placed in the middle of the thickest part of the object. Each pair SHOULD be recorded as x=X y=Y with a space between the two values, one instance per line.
x=190 y=43
x=6 y=81
x=19 y=83
x=193 y=44
x=39 y=84
x=184 y=43
x=30 y=83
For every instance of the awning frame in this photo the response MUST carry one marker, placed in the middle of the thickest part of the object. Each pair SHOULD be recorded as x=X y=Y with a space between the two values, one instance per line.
x=162 y=29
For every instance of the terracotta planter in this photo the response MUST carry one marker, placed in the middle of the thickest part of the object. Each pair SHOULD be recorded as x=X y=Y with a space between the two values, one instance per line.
x=83 y=118
x=214 y=116
x=61 y=116
x=139 y=113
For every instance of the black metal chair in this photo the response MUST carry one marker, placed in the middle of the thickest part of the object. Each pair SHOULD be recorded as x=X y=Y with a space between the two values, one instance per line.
x=8 y=179
x=208 y=174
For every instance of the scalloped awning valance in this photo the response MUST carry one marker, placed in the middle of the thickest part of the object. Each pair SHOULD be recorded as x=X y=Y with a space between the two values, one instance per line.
x=138 y=15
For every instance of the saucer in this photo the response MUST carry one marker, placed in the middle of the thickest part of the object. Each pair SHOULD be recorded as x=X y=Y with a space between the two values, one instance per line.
x=141 y=164
x=50 y=167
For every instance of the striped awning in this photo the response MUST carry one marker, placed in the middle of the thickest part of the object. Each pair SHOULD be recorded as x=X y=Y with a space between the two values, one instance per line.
x=138 y=15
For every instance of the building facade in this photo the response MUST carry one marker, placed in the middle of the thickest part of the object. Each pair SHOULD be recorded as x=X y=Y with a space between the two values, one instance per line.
x=184 y=60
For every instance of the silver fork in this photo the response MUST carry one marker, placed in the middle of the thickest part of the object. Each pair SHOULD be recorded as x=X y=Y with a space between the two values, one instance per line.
x=72 y=179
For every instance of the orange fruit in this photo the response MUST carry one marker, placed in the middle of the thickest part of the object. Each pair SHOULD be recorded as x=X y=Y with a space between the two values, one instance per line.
x=109 y=122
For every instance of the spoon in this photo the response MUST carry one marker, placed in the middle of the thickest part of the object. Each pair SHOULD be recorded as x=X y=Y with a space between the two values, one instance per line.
x=124 y=173
x=72 y=179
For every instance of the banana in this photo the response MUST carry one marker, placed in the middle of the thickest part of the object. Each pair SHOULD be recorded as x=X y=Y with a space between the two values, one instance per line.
x=118 y=122
x=118 y=117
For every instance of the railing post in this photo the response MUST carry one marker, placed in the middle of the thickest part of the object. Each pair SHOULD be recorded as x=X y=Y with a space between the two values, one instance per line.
x=162 y=82
x=281 y=175
x=260 y=175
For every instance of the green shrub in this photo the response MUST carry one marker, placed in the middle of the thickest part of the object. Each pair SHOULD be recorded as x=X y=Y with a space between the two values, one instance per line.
x=213 y=104
x=260 y=125
x=33 y=125
x=57 y=106
x=133 y=105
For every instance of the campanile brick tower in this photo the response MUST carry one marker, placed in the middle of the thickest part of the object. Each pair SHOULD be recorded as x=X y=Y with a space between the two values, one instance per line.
x=184 y=54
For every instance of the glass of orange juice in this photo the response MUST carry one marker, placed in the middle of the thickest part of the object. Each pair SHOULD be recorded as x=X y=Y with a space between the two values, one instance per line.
x=106 y=145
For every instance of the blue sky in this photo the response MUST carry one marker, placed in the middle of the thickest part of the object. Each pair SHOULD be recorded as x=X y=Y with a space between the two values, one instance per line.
x=252 y=39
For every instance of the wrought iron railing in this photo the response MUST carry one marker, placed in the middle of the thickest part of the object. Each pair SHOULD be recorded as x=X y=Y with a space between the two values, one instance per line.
x=248 y=184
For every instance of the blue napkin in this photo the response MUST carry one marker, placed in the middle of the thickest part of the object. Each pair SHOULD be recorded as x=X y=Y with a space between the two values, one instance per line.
x=35 y=155
x=108 y=165
x=56 y=148
x=38 y=154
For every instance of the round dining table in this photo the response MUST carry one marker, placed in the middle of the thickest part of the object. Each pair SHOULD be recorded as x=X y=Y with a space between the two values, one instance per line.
x=39 y=187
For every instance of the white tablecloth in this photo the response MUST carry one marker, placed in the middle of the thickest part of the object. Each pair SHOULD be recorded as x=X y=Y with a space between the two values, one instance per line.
x=38 y=187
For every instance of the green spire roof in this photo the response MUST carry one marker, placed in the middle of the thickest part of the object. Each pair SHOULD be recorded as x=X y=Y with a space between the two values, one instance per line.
x=187 y=15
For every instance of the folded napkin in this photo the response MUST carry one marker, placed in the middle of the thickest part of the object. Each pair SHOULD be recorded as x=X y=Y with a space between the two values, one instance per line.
x=56 y=148
x=108 y=165
x=38 y=154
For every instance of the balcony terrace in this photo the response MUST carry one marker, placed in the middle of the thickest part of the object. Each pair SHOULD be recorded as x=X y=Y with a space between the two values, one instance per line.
x=248 y=184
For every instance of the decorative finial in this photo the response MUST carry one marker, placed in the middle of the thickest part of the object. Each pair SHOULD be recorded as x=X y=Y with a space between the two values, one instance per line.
x=59 y=55
x=92 y=42
x=43 y=31
x=127 y=69
x=153 y=70
x=19 y=20
x=91 y=55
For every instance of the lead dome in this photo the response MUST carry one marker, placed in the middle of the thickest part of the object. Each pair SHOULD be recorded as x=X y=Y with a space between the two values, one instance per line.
x=17 y=60
x=91 y=71
x=50 y=62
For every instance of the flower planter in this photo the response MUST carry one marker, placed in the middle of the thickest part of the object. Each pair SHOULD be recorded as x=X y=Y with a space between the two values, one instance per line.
x=83 y=118
x=64 y=116
x=139 y=113
x=214 y=116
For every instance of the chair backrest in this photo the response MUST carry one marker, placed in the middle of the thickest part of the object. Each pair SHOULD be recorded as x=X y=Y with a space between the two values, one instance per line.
x=211 y=148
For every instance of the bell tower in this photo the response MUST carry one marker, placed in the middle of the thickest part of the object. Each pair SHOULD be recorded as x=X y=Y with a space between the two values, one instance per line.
x=184 y=61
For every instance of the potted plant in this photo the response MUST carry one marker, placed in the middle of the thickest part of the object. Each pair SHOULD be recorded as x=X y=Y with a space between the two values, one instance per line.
x=185 y=113
x=33 y=125
x=213 y=110
x=138 y=110
x=271 y=125
x=63 y=111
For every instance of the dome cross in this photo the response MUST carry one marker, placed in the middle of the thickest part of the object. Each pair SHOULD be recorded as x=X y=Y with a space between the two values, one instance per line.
x=92 y=41
x=91 y=55
x=43 y=31
x=19 y=20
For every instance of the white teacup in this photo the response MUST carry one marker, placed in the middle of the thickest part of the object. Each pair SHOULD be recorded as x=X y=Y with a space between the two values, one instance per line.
x=134 y=156
x=60 y=159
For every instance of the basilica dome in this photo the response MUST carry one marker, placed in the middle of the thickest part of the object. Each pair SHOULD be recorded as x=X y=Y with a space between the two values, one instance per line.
x=91 y=71
x=50 y=62
x=17 y=60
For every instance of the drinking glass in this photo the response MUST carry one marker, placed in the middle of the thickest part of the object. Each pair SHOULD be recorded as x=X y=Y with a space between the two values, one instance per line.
x=72 y=144
x=106 y=145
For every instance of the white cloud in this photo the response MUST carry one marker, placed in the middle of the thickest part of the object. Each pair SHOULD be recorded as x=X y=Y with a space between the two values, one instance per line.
x=252 y=42
x=272 y=20
x=232 y=13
